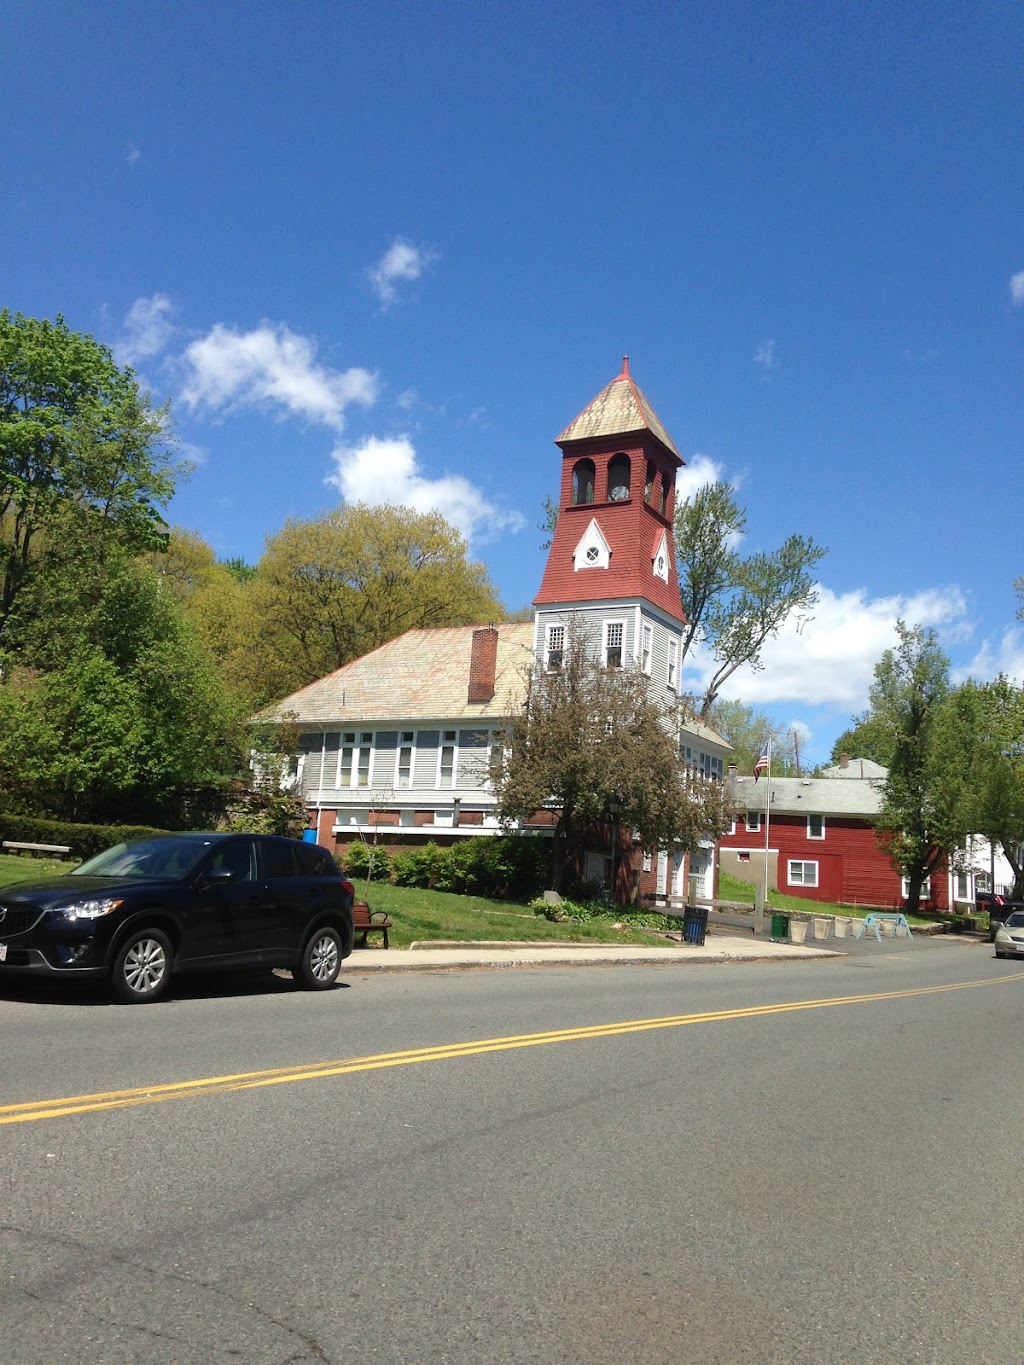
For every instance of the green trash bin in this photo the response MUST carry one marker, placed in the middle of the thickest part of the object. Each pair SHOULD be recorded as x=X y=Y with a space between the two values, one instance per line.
x=780 y=926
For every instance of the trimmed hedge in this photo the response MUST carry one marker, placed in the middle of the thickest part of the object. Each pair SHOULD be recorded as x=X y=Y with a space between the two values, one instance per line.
x=505 y=867
x=83 y=840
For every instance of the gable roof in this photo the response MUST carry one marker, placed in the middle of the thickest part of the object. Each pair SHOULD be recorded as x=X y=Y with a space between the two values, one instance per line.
x=857 y=796
x=421 y=675
x=856 y=767
x=618 y=410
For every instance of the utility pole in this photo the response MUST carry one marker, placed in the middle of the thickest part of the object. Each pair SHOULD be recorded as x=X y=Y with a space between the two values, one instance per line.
x=796 y=748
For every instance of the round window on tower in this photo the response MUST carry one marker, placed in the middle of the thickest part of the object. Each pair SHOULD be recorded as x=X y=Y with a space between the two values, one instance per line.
x=592 y=554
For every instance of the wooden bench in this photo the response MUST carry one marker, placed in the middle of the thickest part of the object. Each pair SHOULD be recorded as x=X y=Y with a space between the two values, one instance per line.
x=16 y=847
x=367 y=921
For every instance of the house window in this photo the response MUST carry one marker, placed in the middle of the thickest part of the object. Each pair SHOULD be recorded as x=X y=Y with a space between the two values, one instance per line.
x=354 y=759
x=496 y=756
x=803 y=874
x=646 y=642
x=649 y=481
x=613 y=644
x=673 y=662
x=815 y=826
x=404 y=762
x=446 y=759
x=647 y=861
x=618 y=478
x=731 y=827
x=556 y=648
x=753 y=821
x=583 y=482
x=926 y=888
x=962 y=886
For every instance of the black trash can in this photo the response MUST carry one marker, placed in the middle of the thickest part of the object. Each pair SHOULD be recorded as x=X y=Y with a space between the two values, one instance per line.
x=695 y=924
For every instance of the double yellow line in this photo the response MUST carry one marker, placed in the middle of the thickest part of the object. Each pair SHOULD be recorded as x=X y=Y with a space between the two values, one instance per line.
x=255 y=1080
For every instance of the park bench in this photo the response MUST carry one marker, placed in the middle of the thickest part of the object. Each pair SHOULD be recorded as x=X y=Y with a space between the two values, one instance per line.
x=367 y=921
x=15 y=846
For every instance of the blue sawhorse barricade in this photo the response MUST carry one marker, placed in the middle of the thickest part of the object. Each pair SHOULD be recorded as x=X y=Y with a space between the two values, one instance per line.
x=875 y=921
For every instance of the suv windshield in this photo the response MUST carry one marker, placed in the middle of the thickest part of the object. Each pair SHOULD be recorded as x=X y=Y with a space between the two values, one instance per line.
x=170 y=858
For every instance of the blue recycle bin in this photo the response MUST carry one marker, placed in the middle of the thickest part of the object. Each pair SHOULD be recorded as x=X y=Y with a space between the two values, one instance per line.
x=309 y=836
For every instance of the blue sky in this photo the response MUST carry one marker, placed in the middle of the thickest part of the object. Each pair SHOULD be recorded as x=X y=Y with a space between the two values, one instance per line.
x=389 y=251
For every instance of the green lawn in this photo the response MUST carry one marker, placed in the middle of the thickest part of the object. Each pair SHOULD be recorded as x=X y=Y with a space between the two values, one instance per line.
x=23 y=867
x=420 y=915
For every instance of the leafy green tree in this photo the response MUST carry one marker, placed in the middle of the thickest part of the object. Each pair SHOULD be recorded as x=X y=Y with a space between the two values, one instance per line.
x=130 y=719
x=985 y=732
x=734 y=604
x=330 y=589
x=590 y=735
x=747 y=730
x=867 y=737
x=84 y=457
x=923 y=818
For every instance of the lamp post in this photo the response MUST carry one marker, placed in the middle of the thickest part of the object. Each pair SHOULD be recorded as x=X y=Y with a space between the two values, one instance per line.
x=614 y=810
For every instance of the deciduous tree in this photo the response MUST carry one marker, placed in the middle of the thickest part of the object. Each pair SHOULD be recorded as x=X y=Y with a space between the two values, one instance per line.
x=84 y=457
x=734 y=604
x=588 y=735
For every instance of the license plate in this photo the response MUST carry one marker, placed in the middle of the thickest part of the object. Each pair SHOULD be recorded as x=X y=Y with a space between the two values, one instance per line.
x=3 y=952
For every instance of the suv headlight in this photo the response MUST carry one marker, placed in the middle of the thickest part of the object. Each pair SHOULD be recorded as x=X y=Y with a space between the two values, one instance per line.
x=90 y=909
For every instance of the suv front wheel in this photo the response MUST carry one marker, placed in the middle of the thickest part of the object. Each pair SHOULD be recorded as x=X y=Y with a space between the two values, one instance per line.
x=321 y=960
x=142 y=968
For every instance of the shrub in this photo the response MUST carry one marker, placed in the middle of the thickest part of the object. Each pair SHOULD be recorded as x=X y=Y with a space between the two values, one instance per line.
x=367 y=862
x=83 y=840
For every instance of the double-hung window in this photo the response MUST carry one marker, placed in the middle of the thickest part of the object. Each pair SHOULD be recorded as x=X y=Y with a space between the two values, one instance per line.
x=613 y=644
x=803 y=873
x=556 y=648
x=815 y=826
x=753 y=822
x=354 y=759
x=673 y=662
x=446 y=758
x=646 y=647
x=404 y=761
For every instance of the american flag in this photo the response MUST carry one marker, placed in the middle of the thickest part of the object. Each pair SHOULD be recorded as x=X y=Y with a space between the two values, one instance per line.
x=762 y=764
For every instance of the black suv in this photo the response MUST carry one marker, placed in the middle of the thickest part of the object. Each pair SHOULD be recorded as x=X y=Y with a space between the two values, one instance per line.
x=182 y=902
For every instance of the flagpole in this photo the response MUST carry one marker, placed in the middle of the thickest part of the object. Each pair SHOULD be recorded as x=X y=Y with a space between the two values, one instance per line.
x=767 y=818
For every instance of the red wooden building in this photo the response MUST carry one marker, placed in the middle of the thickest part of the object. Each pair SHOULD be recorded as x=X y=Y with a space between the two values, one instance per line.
x=819 y=838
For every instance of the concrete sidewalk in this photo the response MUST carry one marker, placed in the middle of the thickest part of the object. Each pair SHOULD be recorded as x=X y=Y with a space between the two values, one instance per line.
x=435 y=955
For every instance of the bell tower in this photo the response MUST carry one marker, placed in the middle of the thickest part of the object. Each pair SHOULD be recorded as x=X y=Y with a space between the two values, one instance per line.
x=611 y=565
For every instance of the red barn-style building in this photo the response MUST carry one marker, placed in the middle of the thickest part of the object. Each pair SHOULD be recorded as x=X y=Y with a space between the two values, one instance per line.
x=820 y=837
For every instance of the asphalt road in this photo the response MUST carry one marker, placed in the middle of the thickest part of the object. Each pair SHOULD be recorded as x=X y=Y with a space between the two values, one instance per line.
x=792 y=1162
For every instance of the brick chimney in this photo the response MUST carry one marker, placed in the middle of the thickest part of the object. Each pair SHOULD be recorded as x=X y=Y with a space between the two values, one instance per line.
x=483 y=664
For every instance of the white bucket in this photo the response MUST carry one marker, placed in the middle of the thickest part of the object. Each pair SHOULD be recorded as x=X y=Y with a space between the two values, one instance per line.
x=821 y=926
x=797 y=930
x=841 y=926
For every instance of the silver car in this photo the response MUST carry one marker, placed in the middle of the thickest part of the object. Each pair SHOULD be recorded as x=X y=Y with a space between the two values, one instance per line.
x=1009 y=938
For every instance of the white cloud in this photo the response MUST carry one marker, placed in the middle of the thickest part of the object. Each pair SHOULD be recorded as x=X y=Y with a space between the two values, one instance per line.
x=1017 y=287
x=695 y=474
x=271 y=365
x=385 y=471
x=764 y=356
x=826 y=657
x=1006 y=656
x=401 y=261
x=133 y=155
x=146 y=331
